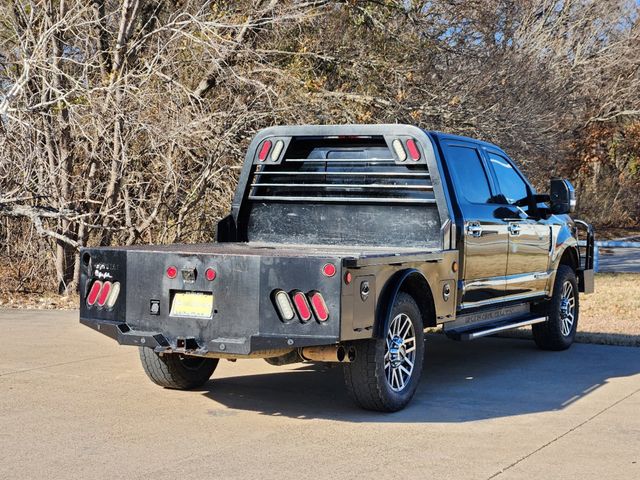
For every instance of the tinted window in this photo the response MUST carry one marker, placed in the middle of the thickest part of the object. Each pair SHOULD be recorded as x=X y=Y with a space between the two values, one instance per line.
x=511 y=185
x=470 y=177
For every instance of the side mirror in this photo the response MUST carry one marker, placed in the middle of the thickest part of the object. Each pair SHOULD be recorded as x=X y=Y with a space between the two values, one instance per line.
x=562 y=196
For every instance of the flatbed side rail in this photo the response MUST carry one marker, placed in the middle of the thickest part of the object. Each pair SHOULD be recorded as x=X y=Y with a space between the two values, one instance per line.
x=387 y=259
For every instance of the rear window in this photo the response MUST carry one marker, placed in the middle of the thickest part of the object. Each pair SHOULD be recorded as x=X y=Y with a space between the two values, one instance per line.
x=342 y=191
x=471 y=178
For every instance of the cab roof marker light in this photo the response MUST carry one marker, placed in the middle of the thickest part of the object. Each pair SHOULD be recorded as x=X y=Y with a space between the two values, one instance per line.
x=264 y=151
x=399 y=149
x=277 y=150
x=284 y=305
x=113 y=295
x=413 y=150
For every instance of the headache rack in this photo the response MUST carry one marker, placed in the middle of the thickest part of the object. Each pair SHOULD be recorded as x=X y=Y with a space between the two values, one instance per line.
x=342 y=170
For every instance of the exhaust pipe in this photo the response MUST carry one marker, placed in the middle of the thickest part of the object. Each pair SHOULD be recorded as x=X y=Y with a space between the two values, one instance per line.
x=329 y=353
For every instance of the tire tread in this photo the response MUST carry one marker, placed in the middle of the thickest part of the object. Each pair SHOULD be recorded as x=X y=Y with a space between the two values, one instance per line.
x=169 y=372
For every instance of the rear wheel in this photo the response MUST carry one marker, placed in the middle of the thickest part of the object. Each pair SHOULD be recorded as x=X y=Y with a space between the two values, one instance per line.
x=172 y=370
x=559 y=331
x=386 y=372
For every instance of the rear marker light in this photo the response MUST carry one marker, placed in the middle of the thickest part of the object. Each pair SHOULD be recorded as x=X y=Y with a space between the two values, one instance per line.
x=348 y=277
x=104 y=294
x=94 y=292
x=413 y=150
x=277 y=150
x=329 y=270
x=264 y=151
x=284 y=305
x=304 y=312
x=210 y=274
x=172 y=272
x=319 y=307
x=399 y=149
x=113 y=295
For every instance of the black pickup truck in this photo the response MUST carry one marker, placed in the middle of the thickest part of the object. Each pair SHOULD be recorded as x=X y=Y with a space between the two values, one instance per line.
x=344 y=243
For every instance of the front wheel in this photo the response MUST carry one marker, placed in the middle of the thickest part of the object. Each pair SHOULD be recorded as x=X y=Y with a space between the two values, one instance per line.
x=172 y=370
x=559 y=331
x=385 y=373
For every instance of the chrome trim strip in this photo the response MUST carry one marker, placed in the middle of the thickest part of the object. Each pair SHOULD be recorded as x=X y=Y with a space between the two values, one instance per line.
x=526 y=277
x=497 y=300
x=502 y=328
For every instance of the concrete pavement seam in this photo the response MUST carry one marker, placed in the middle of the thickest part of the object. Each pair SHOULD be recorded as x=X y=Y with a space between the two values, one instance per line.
x=42 y=367
x=572 y=429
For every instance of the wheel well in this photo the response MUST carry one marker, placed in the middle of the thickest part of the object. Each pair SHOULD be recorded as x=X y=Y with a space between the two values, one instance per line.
x=419 y=289
x=570 y=258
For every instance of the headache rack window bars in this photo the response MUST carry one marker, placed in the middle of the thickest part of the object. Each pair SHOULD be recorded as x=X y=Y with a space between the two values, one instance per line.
x=342 y=180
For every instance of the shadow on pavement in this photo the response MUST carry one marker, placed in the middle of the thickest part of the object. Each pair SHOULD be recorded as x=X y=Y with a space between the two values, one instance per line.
x=461 y=382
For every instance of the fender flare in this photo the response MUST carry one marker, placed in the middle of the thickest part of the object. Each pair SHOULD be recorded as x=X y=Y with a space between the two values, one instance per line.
x=388 y=296
x=565 y=247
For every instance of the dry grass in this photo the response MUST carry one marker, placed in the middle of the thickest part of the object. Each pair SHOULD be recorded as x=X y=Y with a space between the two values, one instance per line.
x=39 y=301
x=611 y=315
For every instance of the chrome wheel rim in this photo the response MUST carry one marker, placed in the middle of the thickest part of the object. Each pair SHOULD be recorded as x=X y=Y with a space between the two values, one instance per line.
x=399 y=352
x=567 y=308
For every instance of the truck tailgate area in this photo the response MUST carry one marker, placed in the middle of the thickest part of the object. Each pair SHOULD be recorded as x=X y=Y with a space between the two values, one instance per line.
x=231 y=314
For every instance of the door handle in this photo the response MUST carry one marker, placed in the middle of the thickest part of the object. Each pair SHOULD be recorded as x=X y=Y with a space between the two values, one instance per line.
x=514 y=229
x=474 y=230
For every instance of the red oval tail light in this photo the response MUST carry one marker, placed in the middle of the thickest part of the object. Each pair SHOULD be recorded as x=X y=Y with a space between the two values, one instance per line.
x=104 y=294
x=94 y=292
x=319 y=307
x=302 y=306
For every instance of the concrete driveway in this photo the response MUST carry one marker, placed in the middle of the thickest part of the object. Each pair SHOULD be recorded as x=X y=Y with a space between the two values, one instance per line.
x=73 y=404
x=620 y=260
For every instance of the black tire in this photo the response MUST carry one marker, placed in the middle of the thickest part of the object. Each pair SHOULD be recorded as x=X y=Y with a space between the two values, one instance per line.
x=556 y=333
x=366 y=377
x=172 y=370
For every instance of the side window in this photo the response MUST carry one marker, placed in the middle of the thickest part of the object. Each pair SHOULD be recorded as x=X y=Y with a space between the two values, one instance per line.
x=512 y=186
x=470 y=177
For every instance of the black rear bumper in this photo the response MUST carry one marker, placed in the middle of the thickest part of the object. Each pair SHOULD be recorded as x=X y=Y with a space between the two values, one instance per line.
x=124 y=335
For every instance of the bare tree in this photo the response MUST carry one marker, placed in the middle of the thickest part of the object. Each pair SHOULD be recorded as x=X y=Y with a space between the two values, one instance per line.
x=125 y=122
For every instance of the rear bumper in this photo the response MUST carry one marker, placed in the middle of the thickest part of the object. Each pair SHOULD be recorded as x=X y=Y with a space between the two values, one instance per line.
x=218 y=347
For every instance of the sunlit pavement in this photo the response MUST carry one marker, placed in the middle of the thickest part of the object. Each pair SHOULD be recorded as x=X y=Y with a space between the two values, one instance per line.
x=74 y=404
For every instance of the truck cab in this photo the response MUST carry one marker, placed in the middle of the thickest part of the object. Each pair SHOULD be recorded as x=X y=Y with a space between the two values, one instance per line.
x=343 y=244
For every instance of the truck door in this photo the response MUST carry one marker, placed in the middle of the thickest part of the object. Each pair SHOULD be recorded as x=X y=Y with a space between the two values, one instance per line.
x=485 y=238
x=529 y=238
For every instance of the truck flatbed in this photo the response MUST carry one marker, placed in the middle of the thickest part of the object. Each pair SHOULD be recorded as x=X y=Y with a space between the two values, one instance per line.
x=355 y=256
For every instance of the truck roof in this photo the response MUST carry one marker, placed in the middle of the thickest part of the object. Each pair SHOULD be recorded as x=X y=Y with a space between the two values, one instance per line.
x=450 y=136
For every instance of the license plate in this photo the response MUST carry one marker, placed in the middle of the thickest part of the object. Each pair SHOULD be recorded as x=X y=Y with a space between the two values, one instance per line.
x=191 y=304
